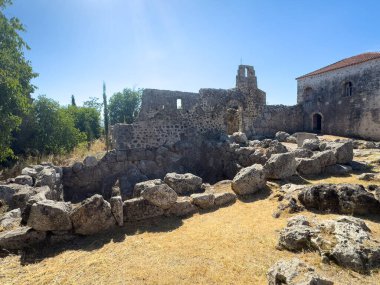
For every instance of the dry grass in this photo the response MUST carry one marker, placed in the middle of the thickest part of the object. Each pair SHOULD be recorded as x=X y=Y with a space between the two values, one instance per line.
x=97 y=148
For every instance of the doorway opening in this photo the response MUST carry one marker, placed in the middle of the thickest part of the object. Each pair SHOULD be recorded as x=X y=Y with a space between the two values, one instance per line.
x=317 y=123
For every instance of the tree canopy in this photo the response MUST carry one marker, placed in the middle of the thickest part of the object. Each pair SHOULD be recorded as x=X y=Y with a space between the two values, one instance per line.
x=15 y=79
x=124 y=106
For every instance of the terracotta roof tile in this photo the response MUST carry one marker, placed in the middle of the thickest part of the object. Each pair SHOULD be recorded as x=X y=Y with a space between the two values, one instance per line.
x=344 y=63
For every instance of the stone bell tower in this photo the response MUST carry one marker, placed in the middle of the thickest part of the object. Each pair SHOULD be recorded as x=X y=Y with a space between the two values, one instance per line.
x=246 y=80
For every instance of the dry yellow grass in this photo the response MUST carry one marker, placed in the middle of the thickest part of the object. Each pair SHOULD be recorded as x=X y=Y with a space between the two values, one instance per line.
x=231 y=245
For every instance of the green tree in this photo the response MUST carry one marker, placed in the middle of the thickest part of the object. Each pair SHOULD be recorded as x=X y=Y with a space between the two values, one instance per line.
x=15 y=76
x=124 y=106
x=93 y=103
x=55 y=130
x=87 y=120
x=73 y=101
x=106 y=118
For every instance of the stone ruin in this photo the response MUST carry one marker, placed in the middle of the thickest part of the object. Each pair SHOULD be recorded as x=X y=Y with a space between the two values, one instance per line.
x=165 y=162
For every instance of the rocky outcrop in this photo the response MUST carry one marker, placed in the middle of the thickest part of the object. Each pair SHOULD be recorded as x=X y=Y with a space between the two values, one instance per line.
x=294 y=272
x=160 y=195
x=20 y=238
x=183 y=184
x=280 y=166
x=203 y=200
x=50 y=215
x=339 y=198
x=139 y=209
x=249 y=180
x=345 y=240
x=93 y=215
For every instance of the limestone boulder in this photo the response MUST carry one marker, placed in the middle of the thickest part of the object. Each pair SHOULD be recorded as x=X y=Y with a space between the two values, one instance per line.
x=239 y=138
x=295 y=272
x=311 y=144
x=11 y=219
x=338 y=169
x=182 y=207
x=302 y=153
x=160 y=195
x=46 y=177
x=50 y=215
x=325 y=158
x=297 y=237
x=249 y=180
x=339 y=198
x=281 y=136
x=301 y=137
x=31 y=170
x=117 y=209
x=183 y=184
x=224 y=198
x=308 y=166
x=343 y=151
x=280 y=166
x=139 y=209
x=93 y=215
x=7 y=191
x=24 y=180
x=203 y=200
x=20 y=238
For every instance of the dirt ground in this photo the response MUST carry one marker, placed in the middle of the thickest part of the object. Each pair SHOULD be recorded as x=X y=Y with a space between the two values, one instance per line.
x=231 y=245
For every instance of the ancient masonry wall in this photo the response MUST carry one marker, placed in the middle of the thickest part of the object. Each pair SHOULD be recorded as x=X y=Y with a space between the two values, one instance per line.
x=357 y=115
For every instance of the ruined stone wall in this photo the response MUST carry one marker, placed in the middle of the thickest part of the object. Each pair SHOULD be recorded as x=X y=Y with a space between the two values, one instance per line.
x=276 y=118
x=357 y=115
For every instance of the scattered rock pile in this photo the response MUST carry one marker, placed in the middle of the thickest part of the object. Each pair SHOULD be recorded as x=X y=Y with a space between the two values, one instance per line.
x=345 y=240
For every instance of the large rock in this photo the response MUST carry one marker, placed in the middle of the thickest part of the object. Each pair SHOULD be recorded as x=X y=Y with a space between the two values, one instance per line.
x=224 y=198
x=249 y=180
x=308 y=166
x=301 y=137
x=24 y=180
x=339 y=198
x=117 y=209
x=46 y=177
x=294 y=272
x=90 y=161
x=302 y=153
x=11 y=219
x=239 y=138
x=20 y=238
x=183 y=184
x=311 y=144
x=325 y=158
x=9 y=190
x=296 y=237
x=203 y=200
x=281 y=136
x=141 y=186
x=139 y=209
x=160 y=195
x=93 y=215
x=50 y=215
x=182 y=207
x=343 y=151
x=280 y=166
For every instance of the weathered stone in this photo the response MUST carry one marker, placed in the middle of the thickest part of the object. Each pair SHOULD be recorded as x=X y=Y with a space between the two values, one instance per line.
x=20 y=238
x=294 y=272
x=182 y=207
x=249 y=180
x=160 y=195
x=139 y=187
x=311 y=144
x=93 y=215
x=50 y=215
x=90 y=161
x=24 y=180
x=369 y=177
x=77 y=167
x=30 y=171
x=11 y=219
x=297 y=237
x=281 y=136
x=325 y=158
x=203 y=200
x=339 y=198
x=343 y=151
x=239 y=138
x=280 y=166
x=301 y=137
x=7 y=191
x=183 y=184
x=307 y=166
x=46 y=177
x=117 y=209
x=302 y=153
x=139 y=209
x=224 y=198
x=298 y=220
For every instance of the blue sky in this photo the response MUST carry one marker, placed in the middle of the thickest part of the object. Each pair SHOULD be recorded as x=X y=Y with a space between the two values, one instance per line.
x=189 y=44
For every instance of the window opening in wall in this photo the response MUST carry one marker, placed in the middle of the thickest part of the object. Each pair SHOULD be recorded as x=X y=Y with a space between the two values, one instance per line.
x=348 y=89
x=163 y=107
x=246 y=72
x=179 y=104
x=317 y=123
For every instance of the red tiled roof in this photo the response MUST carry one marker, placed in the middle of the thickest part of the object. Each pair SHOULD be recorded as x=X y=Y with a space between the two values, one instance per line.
x=344 y=63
